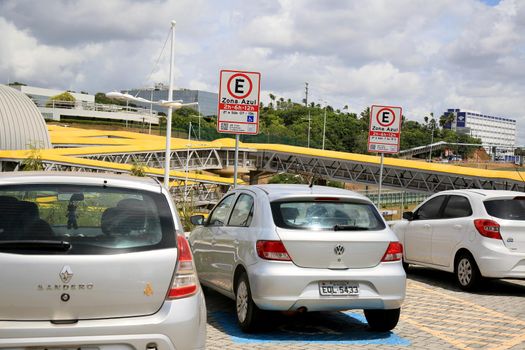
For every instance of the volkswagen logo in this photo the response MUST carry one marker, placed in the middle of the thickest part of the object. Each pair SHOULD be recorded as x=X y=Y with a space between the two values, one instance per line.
x=339 y=249
x=66 y=274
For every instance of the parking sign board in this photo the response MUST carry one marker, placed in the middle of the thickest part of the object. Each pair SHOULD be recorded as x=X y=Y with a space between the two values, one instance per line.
x=385 y=129
x=239 y=102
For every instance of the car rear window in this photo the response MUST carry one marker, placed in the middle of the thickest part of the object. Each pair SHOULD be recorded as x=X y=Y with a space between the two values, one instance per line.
x=321 y=215
x=92 y=219
x=508 y=209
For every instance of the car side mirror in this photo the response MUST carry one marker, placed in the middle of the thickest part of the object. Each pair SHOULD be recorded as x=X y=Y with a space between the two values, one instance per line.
x=197 y=219
x=408 y=215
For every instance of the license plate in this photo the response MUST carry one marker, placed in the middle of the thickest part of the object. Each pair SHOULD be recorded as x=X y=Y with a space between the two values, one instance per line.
x=338 y=288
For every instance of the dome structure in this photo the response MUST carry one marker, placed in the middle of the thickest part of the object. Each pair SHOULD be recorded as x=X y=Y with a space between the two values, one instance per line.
x=21 y=123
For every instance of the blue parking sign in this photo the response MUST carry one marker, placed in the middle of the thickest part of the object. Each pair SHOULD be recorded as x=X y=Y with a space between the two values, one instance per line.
x=250 y=118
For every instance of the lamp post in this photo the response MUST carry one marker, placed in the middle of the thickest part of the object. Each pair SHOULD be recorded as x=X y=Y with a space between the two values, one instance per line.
x=431 y=137
x=324 y=122
x=170 y=104
x=167 y=158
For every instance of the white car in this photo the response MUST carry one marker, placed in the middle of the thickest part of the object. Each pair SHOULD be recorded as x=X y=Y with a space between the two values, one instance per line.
x=300 y=248
x=472 y=233
x=95 y=262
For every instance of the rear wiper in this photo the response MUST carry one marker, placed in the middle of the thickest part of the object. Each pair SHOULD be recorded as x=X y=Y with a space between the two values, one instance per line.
x=350 y=228
x=47 y=245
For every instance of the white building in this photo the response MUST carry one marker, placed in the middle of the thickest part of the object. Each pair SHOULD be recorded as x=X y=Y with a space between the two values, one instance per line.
x=84 y=106
x=493 y=131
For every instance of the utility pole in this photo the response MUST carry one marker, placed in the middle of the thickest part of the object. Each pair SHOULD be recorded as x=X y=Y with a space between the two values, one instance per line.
x=306 y=105
x=431 y=137
x=306 y=94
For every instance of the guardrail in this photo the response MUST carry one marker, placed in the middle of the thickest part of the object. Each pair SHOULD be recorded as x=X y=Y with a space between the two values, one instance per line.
x=92 y=106
x=396 y=198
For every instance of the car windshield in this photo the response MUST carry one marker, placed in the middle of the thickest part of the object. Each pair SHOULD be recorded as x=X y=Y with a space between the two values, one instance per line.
x=508 y=209
x=83 y=219
x=347 y=216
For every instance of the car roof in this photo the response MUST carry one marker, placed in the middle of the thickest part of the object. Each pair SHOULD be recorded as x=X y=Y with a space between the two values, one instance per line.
x=79 y=178
x=278 y=191
x=485 y=194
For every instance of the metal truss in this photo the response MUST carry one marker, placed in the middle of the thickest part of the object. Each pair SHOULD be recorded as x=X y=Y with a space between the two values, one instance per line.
x=393 y=177
x=260 y=162
x=200 y=191
x=199 y=159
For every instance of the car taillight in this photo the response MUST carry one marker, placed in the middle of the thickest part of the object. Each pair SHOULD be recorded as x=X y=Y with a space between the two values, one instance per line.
x=487 y=228
x=272 y=250
x=394 y=252
x=185 y=280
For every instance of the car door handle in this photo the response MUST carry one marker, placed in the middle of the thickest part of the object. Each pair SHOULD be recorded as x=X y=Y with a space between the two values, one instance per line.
x=458 y=227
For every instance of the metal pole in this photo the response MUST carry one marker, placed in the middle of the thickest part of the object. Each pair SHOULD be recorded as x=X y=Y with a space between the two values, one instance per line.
x=324 y=125
x=168 y=119
x=380 y=181
x=199 y=111
x=151 y=111
x=431 y=140
x=236 y=160
x=309 y=126
x=187 y=163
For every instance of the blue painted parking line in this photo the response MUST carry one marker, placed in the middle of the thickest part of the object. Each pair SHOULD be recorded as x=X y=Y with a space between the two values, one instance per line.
x=343 y=328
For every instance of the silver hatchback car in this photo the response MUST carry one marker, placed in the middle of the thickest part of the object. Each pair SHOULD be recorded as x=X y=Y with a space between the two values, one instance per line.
x=95 y=262
x=300 y=248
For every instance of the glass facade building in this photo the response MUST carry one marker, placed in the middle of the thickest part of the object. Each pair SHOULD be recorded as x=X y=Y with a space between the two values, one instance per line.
x=493 y=131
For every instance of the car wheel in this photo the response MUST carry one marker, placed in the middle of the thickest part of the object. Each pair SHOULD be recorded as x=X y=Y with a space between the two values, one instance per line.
x=382 y=320
x=248 y=314
x=467 y=272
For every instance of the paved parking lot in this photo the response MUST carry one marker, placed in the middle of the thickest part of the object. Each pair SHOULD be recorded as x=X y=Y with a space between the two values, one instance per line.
x=436 y=315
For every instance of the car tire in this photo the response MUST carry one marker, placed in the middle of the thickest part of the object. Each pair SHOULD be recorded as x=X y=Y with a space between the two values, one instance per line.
x=248 y=314
x=467 y=272
x=382 y=320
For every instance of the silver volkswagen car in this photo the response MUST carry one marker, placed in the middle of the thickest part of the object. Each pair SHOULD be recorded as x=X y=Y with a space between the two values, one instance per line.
x=94 y=262
x=300 y=248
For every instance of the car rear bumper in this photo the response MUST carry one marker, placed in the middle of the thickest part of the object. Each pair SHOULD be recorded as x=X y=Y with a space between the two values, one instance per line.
x=285 y=286
x=501 y=263
x=179 y=324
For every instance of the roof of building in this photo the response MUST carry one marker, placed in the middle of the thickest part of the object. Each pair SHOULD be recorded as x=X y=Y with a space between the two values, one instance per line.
x=22 y=126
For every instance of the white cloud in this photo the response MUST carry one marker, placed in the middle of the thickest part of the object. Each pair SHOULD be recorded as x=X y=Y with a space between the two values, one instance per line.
x=424 y=55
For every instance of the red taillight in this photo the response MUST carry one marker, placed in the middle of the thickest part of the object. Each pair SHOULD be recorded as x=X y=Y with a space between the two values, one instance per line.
x=272 y=250
x=185 y=280
x=487 y=228
x=394 y=252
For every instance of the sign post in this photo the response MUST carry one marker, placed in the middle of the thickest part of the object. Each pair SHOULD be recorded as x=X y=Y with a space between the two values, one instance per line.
x=238 y=107
x=384 y=135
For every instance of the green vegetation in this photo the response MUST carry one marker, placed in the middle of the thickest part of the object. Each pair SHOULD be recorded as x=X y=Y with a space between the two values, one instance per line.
x=33 y=161
x=286 y=122
x=66 y=100
x=100 y=97
x=138 y=169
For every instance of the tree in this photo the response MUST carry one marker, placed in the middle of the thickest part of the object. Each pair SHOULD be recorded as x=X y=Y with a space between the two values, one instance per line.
x=287 y=179
x=63 y=100
x=100 y=97
x=138 y=169
x=33 y=161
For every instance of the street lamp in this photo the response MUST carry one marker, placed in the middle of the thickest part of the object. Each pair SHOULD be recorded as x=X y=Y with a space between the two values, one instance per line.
x=170 y=104
x=324 y=122
x=431 y=137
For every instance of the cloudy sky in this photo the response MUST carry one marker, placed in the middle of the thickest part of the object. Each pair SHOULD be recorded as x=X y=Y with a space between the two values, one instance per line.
x=422 y=55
